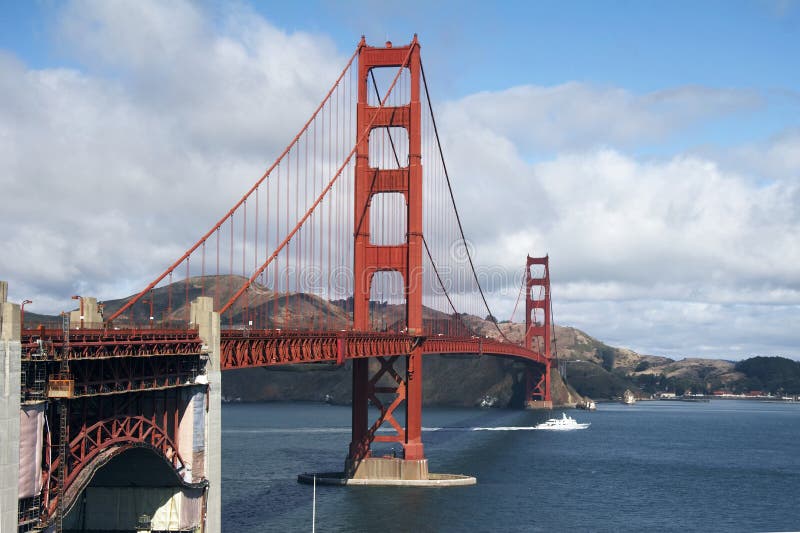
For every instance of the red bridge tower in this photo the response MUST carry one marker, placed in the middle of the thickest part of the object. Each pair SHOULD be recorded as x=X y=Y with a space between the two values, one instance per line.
x=405 y=382
x=538 y=334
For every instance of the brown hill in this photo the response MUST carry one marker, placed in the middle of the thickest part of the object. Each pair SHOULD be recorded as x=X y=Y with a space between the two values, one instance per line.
x=593 y=367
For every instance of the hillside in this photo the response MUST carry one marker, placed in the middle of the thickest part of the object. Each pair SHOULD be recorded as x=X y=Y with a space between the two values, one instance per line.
x=593 y=368
x=453 y=380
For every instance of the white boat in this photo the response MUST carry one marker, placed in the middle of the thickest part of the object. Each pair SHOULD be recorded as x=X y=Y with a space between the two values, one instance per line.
x=565 y=423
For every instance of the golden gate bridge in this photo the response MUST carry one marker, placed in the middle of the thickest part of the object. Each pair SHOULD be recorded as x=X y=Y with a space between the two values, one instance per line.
x=357 y=212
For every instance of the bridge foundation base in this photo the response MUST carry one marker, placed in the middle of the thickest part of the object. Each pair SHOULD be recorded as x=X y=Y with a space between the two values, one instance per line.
x=389 y=471
x=391 y=468
x=538 y=404
x=434 y=480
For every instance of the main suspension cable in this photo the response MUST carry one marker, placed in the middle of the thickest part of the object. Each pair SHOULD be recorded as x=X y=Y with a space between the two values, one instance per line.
x=441 y=284
x=453 y=200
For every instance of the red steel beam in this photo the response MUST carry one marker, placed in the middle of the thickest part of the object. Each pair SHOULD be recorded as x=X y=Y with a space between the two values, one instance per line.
x=251 y=348
x=120 y=429
x=243 y=349
x=102 y=344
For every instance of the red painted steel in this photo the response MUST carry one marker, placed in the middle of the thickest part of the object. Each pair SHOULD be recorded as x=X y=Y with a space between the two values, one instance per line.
x=405 y=258
x=538 y=379
x=115 y=426
x=109 y=343
x=252 y=348
x=131 y=374
x=244 y=349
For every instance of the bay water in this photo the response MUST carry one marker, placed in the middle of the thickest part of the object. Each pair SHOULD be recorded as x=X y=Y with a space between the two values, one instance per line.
x=726 y=465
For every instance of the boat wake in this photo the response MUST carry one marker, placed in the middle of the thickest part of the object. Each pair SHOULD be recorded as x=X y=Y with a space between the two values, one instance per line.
x=479 y=428
x=381 y=430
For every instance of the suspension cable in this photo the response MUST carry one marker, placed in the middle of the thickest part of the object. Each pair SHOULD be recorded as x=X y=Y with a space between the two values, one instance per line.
x=453 y=200
x=321 y=196
x=441 y=284
x=519 y=295
x=244 y=198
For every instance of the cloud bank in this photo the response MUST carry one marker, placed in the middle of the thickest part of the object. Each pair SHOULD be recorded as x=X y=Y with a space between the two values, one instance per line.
x=109 y=168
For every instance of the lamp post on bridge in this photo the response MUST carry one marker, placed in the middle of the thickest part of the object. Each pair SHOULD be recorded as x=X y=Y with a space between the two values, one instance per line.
x=150 y=300
x=78 y=297
x=22 y=313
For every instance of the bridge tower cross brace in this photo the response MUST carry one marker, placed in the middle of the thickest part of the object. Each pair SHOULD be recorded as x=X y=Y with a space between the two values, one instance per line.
x=405 y=258
x=537 y=387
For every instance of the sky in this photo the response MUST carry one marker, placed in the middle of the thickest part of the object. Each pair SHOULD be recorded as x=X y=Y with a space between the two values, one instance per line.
x=652 y=149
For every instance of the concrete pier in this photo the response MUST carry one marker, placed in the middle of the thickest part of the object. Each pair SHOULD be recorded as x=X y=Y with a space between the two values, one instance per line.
x=10 y=363
x=87 y=316
x=203 y=317
x=389 y=472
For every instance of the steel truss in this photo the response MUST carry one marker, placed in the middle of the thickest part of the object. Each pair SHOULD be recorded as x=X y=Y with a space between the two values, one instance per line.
x=248 y=348
x=103 y=376
x=98 y=425
x=105 y=343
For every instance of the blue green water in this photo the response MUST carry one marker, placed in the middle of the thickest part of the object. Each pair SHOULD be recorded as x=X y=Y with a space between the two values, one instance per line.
x=655 y=466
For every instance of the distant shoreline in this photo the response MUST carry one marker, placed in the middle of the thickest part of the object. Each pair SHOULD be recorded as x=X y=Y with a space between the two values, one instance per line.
x=770 y=399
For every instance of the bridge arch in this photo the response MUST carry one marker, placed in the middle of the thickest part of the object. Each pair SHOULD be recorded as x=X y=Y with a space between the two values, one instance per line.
x=98 y=429
x=98 y=443
x=133 y=479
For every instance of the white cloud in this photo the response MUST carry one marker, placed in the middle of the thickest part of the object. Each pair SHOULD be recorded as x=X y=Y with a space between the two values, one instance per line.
x=115 y=169
x=579 y=116
x=642 y=250
x=777 y=159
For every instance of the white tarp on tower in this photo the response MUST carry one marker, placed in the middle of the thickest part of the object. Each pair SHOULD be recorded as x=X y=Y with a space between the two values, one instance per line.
x=31 y=441
x=192 y=436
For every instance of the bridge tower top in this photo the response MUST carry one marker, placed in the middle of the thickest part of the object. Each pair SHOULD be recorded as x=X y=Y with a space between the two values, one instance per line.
x=405 y=258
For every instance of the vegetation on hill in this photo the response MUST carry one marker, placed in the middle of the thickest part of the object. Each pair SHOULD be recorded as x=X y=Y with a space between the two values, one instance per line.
x=595 y=381
x=771 y=374
x=594 y=369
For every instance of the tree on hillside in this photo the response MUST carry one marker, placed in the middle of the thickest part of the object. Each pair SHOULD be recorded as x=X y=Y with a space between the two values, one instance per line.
x=607 y=355
x=771 y=374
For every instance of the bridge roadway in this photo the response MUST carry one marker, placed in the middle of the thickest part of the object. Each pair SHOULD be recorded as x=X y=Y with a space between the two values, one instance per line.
x=242 y=348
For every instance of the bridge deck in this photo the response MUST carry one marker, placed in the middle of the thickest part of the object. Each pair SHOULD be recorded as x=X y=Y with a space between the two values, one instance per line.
x=242 y=348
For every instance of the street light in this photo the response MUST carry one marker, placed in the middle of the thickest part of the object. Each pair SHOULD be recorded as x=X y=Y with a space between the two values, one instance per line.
x=22 y=313
x=76 y=297
x=145 y=300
